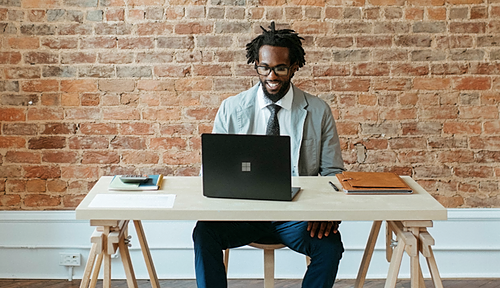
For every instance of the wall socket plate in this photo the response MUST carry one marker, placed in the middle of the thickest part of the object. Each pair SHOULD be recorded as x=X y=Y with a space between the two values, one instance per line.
x=69 y=259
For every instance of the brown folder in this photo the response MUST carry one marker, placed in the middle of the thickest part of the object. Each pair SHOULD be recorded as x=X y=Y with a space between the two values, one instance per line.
x=373 y=183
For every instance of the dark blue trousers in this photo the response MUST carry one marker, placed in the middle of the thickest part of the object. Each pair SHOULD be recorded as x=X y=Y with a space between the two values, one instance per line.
x=211 y=238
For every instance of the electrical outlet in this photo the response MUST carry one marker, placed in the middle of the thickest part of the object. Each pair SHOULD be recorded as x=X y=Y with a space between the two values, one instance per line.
x=69 y=259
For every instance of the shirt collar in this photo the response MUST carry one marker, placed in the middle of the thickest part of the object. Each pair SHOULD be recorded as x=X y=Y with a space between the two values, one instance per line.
x=285 y=102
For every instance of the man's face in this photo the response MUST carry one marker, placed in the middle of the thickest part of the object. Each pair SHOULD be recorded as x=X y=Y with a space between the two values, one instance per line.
x=275 y=86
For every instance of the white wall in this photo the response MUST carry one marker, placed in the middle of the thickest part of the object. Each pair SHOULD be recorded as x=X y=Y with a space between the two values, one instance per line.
x=467 y=246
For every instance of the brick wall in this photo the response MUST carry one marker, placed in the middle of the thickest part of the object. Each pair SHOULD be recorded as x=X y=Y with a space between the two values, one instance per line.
x=101 y=87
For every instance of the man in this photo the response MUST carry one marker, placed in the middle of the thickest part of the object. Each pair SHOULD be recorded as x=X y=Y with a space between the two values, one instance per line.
x=315 y=149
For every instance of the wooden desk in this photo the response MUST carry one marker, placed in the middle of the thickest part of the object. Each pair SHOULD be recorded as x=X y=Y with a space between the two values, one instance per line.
x=407 y=217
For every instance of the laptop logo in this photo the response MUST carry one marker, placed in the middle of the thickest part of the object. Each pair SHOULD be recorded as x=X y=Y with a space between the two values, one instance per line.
x=246 y=167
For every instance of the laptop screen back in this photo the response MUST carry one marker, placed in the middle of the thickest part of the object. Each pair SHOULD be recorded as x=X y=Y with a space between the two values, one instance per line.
x=246 y=166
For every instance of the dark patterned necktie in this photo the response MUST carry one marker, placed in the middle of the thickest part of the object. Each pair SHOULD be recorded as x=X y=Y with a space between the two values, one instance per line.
x=273 y=126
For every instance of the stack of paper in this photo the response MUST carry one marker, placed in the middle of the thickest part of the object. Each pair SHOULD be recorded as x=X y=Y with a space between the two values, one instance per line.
x=153 y=183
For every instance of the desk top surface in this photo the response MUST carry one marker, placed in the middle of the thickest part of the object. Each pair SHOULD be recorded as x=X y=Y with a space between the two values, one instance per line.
x=316 y=201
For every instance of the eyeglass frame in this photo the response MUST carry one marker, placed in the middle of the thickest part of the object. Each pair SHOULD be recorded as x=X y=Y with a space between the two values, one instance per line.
x=272 y=69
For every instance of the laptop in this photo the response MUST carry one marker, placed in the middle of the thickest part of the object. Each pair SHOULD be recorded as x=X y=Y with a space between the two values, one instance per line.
x=243 y=166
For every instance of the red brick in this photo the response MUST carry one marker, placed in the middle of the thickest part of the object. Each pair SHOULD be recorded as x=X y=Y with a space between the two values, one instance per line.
x=193 y=84
x=489 y=143
x=140 y=157
x=193 y=28
x=201 y=113
x=24 y=42
x=313 y=86
x=434 y=171
x=128 y=142
x=346 y=84
x=414 y=13
x=40 y=85
x=387 y=2
x=431 y=83
x=456 y=156
x=137 y=129
x=36 y=185
x=46 y=114
x=22 y=157
x=347 y=128
x=10 y=201
x=57 y=43
x=72 y=201
x=492 y=127
x=78 y=85
x=42 y=172
x=10 y=57
x=116 y=85
x=59 y=157
x=438 y=13
x=398 y=114
x=136 y=43
x=460 y=2
x=84 y=113
x=155 y=85
x=371 y=69
x=99 y=128
x=466 y=128
x=41 y=200
x=15 y=185
x=380 y=157
x=472 y=83
x=181 y=158
x=168 y=143
x=307 y=27
x=163 y=114
x=479 y=112
x=361 y=114
x=473 y=171
x=100 y=157
x=407 y=143
x=121 y=114
x=115 y=15
x=12 y=142
x=391 y=84
x=442 y=112
x=416 y=157
x=88 y=142
x=79 y=172
x=12 y=114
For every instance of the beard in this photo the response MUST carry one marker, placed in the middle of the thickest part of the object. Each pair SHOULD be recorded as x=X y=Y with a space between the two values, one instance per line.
x=278 y=95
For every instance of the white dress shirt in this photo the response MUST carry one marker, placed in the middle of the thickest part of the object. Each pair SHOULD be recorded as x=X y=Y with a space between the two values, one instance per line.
x=262 y=113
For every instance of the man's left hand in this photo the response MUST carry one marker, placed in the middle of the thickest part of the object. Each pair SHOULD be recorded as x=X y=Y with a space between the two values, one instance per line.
x=322 y=228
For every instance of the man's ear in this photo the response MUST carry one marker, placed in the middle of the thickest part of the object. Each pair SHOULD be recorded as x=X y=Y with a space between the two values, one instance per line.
x=294 y=68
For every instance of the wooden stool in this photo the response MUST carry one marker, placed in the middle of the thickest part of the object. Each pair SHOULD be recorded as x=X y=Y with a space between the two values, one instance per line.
x=268 y=261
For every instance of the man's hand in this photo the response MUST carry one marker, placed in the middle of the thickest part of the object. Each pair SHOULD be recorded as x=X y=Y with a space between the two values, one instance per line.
x=322 y=228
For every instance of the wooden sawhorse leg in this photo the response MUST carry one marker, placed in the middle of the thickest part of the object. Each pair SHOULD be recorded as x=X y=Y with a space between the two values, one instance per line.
x=415 y=239
x=412 y=237
x=108 y=237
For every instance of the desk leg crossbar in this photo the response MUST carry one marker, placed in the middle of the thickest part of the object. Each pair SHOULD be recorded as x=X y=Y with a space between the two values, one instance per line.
x=107 y=238
x=411 y=237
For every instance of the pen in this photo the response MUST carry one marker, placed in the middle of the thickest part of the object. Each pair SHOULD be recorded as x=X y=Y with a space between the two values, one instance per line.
x=333 y=185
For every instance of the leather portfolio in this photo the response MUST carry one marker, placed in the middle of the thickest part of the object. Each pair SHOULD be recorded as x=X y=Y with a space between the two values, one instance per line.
x=373 y=183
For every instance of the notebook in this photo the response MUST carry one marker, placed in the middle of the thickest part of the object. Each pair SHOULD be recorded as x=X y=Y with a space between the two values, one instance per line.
x=247 y=167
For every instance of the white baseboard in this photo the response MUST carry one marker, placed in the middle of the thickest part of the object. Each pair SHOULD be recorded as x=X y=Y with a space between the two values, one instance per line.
x=467 y=246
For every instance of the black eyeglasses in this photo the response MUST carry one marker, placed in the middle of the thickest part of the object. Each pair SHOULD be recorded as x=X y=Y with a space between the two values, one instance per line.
x=278 y=70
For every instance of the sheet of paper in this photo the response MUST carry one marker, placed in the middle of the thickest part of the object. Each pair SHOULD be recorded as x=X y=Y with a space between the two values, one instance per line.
x=113 y=200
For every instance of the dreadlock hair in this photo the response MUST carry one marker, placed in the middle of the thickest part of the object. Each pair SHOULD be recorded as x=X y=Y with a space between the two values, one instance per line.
x=279 y=38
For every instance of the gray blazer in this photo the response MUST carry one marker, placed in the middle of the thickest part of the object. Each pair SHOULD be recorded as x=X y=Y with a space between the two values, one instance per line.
x=315 y=145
